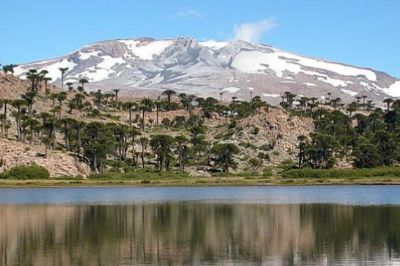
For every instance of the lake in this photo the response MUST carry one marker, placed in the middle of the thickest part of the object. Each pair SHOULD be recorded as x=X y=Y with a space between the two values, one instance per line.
x=304 y=225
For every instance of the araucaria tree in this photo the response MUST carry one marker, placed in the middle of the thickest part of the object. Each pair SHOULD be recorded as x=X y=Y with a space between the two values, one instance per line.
x=223 y=155
x=162 y=146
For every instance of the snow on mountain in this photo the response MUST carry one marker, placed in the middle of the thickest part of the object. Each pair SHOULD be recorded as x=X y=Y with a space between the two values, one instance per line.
x=215 y=45
x=210 y=67
x=393 y=90
x=148 y=50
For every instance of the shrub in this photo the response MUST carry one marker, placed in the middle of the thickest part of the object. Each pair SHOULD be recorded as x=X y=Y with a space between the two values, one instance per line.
x=267 y=172
x=26 y=172
x=266 y=147
x=276 y=153
x=255 y=131
x=264 y=156
x=287 y=165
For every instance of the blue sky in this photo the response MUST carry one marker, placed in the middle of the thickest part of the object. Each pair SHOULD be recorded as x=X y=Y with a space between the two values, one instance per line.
x=359 y=32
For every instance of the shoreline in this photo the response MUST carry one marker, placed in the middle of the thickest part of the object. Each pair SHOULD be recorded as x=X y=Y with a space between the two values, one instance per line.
x=198 y=182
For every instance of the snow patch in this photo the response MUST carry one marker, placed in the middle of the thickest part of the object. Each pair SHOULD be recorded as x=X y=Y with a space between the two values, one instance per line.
x=231 y=89
x=308 y=84
x=213 y=45
x=149 y=50
x=333 y=82
x=53 y=69
x=279 y=61
x=254 y=62
x=393 y=90
x=271 y=95
x=102 y=70
x=349 y=92
x=85 y=56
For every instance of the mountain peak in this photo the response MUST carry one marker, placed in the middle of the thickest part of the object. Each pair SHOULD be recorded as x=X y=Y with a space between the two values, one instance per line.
x=209 y=67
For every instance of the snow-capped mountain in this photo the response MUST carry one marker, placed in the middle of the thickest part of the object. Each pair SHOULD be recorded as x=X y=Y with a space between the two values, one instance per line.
x=145 y=66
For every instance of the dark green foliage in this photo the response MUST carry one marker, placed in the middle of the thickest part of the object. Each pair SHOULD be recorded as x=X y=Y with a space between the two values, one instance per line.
x=223 y=155
x=342 y=173
x=26 y=172
x=96 y=143
x=162 y=146
x=366 y=156
x=371 y=140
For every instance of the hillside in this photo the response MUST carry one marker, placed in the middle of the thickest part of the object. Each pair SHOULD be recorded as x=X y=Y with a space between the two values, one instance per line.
x=270 y=134
x=145 y=66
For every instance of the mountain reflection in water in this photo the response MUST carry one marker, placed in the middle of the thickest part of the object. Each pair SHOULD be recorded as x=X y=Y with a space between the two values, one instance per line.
x=198 y=233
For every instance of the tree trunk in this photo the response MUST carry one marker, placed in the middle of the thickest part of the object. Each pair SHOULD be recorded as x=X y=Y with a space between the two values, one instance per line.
x=157 y=110
x=143 y=119
x=130 y=116
x=142 y=157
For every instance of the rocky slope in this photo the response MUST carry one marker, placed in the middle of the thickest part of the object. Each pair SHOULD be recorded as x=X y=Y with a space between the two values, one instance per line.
x=143 y=66
x=14 y=153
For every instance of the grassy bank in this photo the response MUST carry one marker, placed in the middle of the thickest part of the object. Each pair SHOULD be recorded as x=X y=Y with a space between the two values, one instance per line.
x=392 y=172
x=140 y=177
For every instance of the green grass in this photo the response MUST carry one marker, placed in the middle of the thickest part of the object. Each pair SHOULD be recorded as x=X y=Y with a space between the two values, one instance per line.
x=342 y=173
x=139 y=174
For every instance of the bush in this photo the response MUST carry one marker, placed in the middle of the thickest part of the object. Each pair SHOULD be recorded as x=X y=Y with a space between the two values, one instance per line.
x=342 y=173
x=26 y=172
x=267 y=172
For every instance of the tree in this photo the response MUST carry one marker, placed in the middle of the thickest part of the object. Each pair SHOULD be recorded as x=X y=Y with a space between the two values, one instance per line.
x=143 y=142
x=302 y=150
x=146 y=105
x=33 y=76
x=18 y=104
x=9 y=68
x=116 y=91
x=223 y=155
x=320 y=151
x=182 y=150
x=133 y=133
x=69 y=86
x=83 y=81
x=62 y=96
x=387 y=146
x=46 y=89
x=129 y=106
x=29 y=98
x=96 y=143
x=255 y=164
x=162 y=147
x=169 y=94
x=366 y=155
x=198 y=140
x=63 y=71
x=388 y=101
x=351 y=109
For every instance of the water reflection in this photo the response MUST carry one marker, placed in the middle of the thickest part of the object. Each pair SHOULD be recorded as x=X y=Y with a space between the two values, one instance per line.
x=196 y=233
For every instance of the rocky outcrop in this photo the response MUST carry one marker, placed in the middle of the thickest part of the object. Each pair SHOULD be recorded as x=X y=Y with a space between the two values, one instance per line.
x=59 y=164
x=272 y=133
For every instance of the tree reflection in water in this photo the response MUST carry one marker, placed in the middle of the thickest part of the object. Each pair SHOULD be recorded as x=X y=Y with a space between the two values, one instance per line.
x=197 y=233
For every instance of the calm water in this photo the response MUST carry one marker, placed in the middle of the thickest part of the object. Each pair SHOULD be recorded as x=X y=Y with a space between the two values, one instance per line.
x=335 y=225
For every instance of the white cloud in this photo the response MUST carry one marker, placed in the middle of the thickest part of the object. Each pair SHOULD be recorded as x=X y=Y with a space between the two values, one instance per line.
x=187 y=13
x=253 y=31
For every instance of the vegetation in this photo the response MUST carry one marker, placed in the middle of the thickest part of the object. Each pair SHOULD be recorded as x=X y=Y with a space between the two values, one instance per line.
x=112 y=135
x=342 y=173
x=26 y=172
